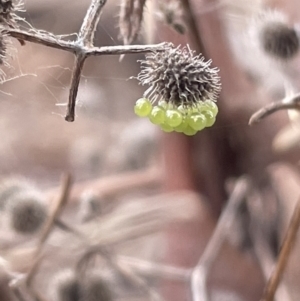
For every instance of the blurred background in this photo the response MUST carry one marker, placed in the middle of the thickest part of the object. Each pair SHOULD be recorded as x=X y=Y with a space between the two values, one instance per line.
x=109 y=149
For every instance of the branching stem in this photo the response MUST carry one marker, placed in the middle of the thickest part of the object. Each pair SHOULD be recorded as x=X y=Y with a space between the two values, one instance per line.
x=82 y=47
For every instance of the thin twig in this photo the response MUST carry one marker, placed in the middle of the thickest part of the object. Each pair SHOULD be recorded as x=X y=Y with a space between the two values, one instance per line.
x=199 y=274
x=60 y=204
x=123 y=271
x=125 y=49
x=261 y=245
x=50 y=40
x=57 y=209
x=157 y=270
x=286 y=104
x=284 y=255
x=111 y=186
x=76 y=74
x=90 y=22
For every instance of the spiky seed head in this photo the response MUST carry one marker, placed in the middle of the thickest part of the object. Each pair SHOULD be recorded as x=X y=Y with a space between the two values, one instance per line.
x=179 y=77
x=8 y=10
x=66 y=287
x=96 y=289
x=277 y=38
x=27 y=212
x=4 y=45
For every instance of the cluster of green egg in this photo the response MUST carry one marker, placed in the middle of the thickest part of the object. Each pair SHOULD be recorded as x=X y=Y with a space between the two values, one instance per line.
x=182 y=119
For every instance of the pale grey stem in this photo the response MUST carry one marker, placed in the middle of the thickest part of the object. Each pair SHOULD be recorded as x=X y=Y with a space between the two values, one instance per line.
x=43 y=38
x=286 y=104
x=152 y=269
x=90 y=22
x=199 y=274
x=125 y=49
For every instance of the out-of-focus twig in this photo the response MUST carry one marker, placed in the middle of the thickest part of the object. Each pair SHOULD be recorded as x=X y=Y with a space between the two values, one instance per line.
x=113 y=185
x=284 y=254
x=122 y=269
x=50 y=223
x=261 y=247
x=292 y=102
x=157 y=270
x=200 y=272
x=192 y=25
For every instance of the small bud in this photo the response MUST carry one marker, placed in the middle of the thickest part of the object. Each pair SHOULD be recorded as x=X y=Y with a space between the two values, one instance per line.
x=27 y=212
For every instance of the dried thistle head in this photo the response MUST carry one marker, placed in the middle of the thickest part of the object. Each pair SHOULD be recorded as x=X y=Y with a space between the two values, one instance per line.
x=8 y=10
x=276 y=36
x=27 y=212
x=184 y=86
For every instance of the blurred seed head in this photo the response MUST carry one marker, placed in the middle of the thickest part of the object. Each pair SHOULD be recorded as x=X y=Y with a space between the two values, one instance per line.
x=276 y=36
x=10 y=187
x=27 y=212
x=179 y=77
x=96 y=289
x=66 y=287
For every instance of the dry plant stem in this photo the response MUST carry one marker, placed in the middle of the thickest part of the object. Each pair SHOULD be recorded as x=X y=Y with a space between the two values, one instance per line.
x=267 y=261
x=291 y=103
x=124 y=271
x=113 y=185
x=73 y=47
x=200 y=272
x=151 y=269
x=17 y=293
x=284 y=254
x=192 y=24
x=88 y=28
x=58 y=207
x=262 y=248
x=76 y=74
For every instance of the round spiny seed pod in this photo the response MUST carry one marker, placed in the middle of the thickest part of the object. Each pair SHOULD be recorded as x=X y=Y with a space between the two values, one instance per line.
x=66 y=287
x=276 y=37
x=182 y=84
x=27 y=212
x=96 y=289
x=179 y=77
